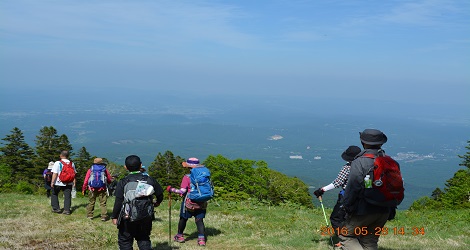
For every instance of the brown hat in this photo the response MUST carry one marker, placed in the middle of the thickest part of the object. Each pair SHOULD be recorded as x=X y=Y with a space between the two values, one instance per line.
x=98 y=161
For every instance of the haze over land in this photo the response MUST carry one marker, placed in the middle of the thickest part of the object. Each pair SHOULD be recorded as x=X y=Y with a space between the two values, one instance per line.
x=150 y=76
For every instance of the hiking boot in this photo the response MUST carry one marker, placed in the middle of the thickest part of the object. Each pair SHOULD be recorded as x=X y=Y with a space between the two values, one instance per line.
x=58 y=211
x=66 y=212
x=338 y=246
x=201 y=242
x=105 y=218
x=90 y=217
x=179 y=238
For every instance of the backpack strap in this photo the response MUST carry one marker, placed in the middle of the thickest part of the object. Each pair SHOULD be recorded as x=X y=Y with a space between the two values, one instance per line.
x=372 y=156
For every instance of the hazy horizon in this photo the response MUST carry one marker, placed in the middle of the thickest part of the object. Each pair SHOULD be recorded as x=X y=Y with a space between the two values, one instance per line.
x=414 y=53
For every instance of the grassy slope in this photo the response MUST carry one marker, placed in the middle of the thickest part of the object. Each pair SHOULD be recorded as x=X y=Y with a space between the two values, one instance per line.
x=28 y=223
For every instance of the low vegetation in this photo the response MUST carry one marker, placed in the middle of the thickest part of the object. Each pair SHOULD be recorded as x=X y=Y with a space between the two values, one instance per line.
x=28 y=223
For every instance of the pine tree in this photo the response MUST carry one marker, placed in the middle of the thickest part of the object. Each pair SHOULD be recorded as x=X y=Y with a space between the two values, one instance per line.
x=466 y=157
x=82 y=163
x=49 y=145
x=167 y=169
x=17 y=156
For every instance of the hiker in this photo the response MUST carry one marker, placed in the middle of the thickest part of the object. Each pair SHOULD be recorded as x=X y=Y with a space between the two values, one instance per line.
x=112 y=185
x=138 y=229
x=47 y=175
x=199 y=208
x=143 y=169
x=360 y=213
x=337 y=216
x=66 y=186
x=96 y=179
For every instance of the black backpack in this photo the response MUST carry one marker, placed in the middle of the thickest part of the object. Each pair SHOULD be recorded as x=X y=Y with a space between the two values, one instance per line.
x=48 y=176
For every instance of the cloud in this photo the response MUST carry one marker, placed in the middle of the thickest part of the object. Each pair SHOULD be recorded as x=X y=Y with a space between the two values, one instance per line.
x=137 y=23
x=425 y=13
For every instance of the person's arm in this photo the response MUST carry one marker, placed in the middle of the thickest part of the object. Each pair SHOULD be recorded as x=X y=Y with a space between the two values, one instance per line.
x=354 y=186
x=342 y=177
x=85 y=181
x=109 y=179
x=185 y=183
x=119 y=194
x=158 y=192
x=54 y=178
x=75 y=179
x=340 y=180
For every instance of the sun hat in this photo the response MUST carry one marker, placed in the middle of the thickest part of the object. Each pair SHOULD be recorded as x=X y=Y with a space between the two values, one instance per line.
x=191 y=162
x=98 y=161
x=373 y=137
x=51 y=164
x=350 y=153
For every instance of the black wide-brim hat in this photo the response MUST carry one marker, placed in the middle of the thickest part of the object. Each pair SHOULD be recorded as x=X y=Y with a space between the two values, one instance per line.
x=372 y=137
x=350 y=153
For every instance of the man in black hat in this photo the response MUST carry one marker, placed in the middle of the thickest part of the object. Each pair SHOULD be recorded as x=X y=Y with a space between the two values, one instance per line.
x=363 y=218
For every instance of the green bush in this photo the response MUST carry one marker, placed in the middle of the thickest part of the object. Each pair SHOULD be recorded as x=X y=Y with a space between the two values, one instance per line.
x=7 y=188
x=24 y=187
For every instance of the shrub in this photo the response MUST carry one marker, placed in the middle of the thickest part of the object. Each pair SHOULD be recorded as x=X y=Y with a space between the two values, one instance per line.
x=24 y=187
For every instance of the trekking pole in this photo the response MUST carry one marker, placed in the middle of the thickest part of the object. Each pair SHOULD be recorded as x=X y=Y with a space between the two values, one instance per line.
x=169 y=218
x=326 y=220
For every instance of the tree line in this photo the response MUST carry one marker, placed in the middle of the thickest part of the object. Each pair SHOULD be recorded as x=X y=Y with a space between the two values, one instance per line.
x=21 y=168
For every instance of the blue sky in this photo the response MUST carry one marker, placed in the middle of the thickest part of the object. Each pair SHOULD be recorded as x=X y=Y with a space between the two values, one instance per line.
x=412 y=51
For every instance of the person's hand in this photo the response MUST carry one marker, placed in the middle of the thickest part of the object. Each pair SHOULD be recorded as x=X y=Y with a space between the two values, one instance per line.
x=114 y=221
x=319 y=192
x=168 y=189
x=83 y=192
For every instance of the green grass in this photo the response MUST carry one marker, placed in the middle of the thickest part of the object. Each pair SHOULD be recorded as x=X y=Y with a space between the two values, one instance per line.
x=28 y=223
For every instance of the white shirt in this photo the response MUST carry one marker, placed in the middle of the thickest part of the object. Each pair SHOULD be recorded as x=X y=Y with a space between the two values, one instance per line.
x=57 y=169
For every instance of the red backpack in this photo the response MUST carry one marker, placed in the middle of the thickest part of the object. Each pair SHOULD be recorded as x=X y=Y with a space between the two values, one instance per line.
x=67 y=174
x=387 y=183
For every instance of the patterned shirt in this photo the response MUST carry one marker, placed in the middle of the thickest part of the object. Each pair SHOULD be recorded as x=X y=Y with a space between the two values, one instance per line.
x=343 y=176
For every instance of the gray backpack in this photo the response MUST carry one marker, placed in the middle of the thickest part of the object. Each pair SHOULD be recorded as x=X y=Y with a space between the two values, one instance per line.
x=138 y=202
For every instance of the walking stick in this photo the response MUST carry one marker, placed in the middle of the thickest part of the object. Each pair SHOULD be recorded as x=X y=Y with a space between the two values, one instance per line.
x=169 y=218
x=326 y=220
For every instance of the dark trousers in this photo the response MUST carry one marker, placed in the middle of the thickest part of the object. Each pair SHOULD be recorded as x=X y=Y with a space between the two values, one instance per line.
x=199 y=225
x=139 y=230
x=67 y=197
x=337 y=216
x=47 y=186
